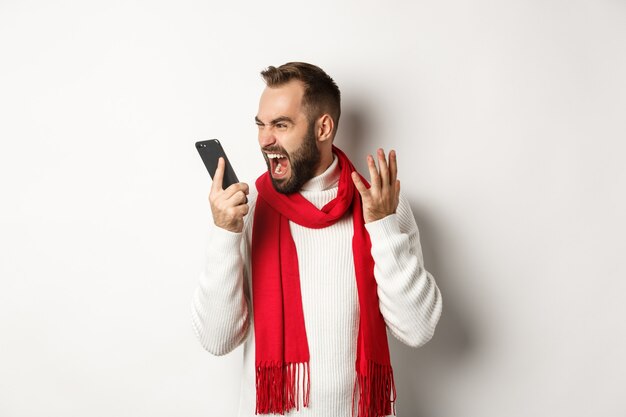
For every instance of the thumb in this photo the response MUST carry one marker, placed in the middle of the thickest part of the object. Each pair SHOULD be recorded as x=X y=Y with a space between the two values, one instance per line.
x=218 y=177
x=361 y=188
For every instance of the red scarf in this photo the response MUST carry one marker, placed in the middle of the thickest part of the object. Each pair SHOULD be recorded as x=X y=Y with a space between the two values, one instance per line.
x=282 y=351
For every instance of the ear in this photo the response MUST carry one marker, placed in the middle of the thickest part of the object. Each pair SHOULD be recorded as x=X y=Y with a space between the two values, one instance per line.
x=325 y=128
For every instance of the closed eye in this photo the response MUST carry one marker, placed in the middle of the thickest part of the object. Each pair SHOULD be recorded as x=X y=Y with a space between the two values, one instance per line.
x=282 y=122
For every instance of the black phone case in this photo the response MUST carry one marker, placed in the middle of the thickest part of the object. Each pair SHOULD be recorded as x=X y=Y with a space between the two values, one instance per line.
x=210 y=152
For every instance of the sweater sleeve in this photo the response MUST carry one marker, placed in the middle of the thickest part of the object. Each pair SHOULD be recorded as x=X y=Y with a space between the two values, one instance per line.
x=409 y=299
x=221 y=302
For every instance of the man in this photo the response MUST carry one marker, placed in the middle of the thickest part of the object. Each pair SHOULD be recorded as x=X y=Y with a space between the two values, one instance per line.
x=312 y=268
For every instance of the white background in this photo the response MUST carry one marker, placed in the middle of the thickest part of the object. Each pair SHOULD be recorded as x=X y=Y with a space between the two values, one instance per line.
x=509 y=122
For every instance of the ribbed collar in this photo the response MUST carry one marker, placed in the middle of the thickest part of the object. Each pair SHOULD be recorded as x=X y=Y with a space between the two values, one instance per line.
x=326 y=180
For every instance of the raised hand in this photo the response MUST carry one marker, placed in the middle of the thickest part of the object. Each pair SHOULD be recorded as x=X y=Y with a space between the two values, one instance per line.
x=381 y=199
x=228 y=206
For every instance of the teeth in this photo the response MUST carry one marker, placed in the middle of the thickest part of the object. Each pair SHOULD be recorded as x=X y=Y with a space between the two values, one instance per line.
x=279 y=168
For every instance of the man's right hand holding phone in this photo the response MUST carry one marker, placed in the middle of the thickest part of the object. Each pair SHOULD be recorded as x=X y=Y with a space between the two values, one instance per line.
x=228 y=206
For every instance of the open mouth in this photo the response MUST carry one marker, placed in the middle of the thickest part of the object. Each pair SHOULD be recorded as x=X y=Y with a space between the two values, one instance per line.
x=279 y=164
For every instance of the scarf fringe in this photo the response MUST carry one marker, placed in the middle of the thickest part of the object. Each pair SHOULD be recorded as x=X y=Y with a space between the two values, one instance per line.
x=377 y=391
x=282 y=387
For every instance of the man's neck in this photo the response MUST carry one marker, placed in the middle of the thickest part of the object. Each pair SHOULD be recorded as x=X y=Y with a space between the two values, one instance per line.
x=327 y=179
x=326 y=159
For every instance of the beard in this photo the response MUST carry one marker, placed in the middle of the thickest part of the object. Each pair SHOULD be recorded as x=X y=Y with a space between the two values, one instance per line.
x=303 y=163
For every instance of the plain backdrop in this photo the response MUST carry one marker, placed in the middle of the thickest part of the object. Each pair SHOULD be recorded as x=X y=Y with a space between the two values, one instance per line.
x=509 y=122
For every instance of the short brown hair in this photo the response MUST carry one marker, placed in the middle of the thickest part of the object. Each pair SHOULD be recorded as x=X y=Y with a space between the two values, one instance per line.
x=321 y=93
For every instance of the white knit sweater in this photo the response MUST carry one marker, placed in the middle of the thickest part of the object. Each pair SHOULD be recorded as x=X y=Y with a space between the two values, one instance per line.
x=409 y=298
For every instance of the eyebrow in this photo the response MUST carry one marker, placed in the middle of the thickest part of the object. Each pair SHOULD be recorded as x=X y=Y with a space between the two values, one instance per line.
x=275 y=121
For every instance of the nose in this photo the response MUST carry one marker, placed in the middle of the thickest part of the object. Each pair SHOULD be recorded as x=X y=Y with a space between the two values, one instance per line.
x=266 y=137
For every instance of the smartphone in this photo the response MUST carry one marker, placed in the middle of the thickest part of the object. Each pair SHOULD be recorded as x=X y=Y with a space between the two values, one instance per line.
x=210 y=151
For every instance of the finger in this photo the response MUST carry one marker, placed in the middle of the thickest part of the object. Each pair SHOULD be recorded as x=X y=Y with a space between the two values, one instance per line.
x=238 y=198
x=393 y=167
x=397 y=192
x=243 y=209
x=384 y=168
x=374 y=176
x=235 y=188
x=218 y=177
x=361 y=188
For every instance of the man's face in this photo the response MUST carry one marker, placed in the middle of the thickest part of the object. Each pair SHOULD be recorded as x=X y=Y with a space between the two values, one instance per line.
x=286 y=137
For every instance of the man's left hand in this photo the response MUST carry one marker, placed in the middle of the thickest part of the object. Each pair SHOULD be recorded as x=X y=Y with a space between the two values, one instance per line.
x=381 y=199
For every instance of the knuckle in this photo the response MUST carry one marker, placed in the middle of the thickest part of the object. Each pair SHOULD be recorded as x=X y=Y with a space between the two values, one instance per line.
x=221 y=206
x=235 y=213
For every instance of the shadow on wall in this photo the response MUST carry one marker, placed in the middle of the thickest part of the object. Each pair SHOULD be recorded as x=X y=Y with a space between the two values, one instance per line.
x=419 y=373
x=352 y=135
